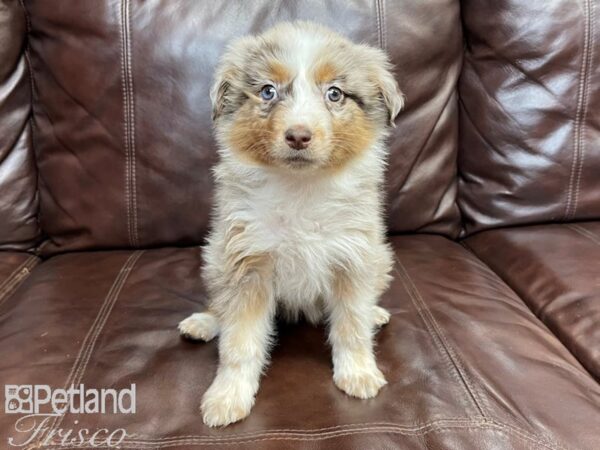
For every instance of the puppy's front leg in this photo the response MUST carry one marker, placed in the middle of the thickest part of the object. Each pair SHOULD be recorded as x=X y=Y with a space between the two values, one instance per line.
x=351 y=317
x=246 y=310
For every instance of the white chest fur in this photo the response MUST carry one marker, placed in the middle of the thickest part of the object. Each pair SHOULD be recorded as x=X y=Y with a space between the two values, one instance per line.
x=309 y=227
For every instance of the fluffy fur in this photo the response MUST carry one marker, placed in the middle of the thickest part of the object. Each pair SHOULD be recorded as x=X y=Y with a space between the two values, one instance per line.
x=298 y=232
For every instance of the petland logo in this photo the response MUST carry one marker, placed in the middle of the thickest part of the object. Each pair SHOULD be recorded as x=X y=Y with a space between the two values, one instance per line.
x=42 y=408
x=32 y=399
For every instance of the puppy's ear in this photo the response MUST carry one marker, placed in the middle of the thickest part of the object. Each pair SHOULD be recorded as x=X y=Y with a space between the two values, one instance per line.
x=225 y=91
x=391 y=94
x=381 y=75
x=218 y=94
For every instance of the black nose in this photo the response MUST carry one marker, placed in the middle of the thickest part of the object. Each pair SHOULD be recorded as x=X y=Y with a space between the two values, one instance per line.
x=298 y=137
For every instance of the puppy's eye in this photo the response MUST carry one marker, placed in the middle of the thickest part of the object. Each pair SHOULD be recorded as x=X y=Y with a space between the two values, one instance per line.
x=268 y=92
x=334 y=94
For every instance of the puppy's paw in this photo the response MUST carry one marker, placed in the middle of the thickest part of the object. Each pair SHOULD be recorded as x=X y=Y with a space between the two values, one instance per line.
x=200 y=326
x=222 y=405
x=381 y=316
x=361 y=384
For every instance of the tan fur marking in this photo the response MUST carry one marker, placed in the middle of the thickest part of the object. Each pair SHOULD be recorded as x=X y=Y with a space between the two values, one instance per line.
x=352 y=135
x=258 y=265
x=325 y=73
x=279 y=73
x=246 y=320
x=253 y=136
x=253 y=275
x=342 y=285
x=239 y=266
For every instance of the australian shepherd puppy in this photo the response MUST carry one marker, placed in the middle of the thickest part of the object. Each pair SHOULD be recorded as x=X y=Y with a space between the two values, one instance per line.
x=300 y=114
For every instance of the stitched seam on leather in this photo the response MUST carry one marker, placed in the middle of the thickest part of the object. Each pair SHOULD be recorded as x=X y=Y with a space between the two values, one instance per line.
x=129 y=125
x=31 y=121
x=10 y=276
x=443 y=424
x=89 y=342
x=361 y=430
x=117 y=287
x=440 y=349
x=16 y=278
x=131 y=121
x=586 y=233
x=383 y=25
x=27 y=19
x=323 y=430
x=125 y=122
x=33 y=146
x=438 y=337
x=592 y=21
x=29 y=66
x=378 y=18
x=132 y=118
x=436 y=426
x=579 y=114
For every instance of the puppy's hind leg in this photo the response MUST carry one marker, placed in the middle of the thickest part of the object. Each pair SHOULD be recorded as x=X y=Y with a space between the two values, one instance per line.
x=381 y=316
x=383 y=267
x=202 y=326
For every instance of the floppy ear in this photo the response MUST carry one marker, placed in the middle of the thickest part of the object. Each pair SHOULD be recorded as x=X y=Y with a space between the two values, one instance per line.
x=218 y=94
x=224 y=91
x=390 y=92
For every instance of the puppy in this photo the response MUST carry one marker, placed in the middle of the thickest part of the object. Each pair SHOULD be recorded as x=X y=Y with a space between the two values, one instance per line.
x=300 y=115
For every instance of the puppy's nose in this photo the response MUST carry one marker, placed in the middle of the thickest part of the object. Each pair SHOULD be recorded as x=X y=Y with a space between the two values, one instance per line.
x=298 y=137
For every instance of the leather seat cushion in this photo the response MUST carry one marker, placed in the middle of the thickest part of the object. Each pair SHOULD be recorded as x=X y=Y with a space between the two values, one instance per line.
x=468 y=364
x=556 y=270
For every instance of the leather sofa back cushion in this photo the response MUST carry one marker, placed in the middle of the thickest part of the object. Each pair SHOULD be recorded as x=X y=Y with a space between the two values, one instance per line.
x=122 y=112
x=530 y=112
x=18 y=194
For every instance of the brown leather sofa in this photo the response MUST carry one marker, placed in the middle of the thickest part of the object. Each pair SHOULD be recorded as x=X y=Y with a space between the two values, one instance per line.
x=494 y=214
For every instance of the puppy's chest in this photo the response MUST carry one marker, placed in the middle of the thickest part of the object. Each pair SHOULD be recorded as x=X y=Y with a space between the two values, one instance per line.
x=305 y=242
x=302 y=228
x=284 y=226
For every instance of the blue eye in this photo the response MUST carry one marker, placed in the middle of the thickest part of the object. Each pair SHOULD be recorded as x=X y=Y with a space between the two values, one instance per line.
x=268 y=92
x=334 y=94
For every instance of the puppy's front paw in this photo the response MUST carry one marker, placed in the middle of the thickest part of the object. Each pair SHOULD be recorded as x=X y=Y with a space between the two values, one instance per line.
x=222 y=405
x=202 y=326
x=361 y=384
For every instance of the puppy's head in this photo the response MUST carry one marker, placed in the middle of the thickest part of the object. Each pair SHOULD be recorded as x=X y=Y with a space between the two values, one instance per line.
x=302 y=97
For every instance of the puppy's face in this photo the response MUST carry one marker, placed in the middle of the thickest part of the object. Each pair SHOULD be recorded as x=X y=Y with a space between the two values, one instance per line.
x=301 y=97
